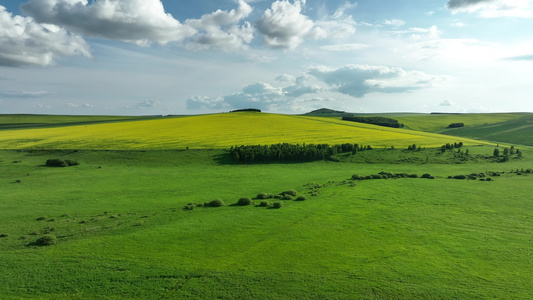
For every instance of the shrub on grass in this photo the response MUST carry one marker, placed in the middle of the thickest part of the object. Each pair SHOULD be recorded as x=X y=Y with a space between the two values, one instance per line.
x=488 y=179
x=287 y=197
x=3 y=235
x=290 y=192
x=47 y=240
x=264 y=203
x=301 y=198
x=71 y=162
x=412 y=176
x=41 y=218
x=245 y=201
x=216 y=203
x=189 y=207
x=262 y=196
x=459 y=177
x=357 y=177
x=276 y=205
x=426 y=175
x=277 y=197
x=56 y=163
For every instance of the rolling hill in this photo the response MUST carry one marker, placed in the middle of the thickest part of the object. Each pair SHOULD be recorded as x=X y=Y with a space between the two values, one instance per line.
x=216 y=131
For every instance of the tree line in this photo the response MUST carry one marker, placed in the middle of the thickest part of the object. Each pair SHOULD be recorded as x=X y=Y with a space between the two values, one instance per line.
x=291 y=152
x=380 y=121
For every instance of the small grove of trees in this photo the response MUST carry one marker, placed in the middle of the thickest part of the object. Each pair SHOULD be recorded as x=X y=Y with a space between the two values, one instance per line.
x=449 y=146
x=380 y=121
x=456 y=125
x=246 y=109
x=507 y=153
x=55 y=162
x=291 y=152
x=414 y=147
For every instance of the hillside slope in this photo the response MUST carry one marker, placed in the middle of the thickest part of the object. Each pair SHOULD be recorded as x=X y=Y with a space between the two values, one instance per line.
x=217 y=131
x=516 y=131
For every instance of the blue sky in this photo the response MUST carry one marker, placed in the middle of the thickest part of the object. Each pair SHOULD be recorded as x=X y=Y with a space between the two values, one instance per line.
x=144 y=57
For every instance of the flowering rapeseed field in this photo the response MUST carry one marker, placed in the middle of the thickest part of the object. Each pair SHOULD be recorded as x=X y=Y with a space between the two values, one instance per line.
x=216 y=131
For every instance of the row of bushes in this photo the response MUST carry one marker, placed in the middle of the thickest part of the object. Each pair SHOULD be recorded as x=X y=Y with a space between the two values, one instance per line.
x=291 y=152
x=380 y=121
x=56 y=162
x=456 y=125
x=387 y=175
x=245 y=201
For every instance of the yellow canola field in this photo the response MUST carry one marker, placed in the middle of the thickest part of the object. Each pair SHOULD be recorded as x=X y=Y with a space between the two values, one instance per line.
x=218 y=131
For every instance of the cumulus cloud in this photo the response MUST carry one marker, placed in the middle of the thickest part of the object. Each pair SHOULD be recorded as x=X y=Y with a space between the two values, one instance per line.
x=198 y=102
x=220 y=29
x=284 y=26
x=148 y=103
x=135 y=21
x=24 y=42
x=493 y=8
x=338 y=25
x=359 y=80
x=301 y=87
x=258 y=95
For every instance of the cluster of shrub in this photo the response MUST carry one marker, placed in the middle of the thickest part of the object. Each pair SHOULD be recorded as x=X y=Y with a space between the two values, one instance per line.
x=475 y=176
x=246 y=109
x=56 y=162
x=245 y=201
x=387 y=175
x=291 y=152
x=380 y=121
x=214 y=203
x=286 y=195
x=456 y=125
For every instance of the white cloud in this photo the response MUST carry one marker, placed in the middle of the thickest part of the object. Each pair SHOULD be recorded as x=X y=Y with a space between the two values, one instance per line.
x=24 y=94
x=286 y=78
x=258 y=95
x=198 y=102
x=493 y=8
x=135 y=21
x=25 y=42
x=75 y=105
x=359 y=80
x=220 y=29
x=447 y=102
x=44 y=106
x=148 y=103
x=395 y=22
x=344 y=47
x=301 y=87
x=284 y=26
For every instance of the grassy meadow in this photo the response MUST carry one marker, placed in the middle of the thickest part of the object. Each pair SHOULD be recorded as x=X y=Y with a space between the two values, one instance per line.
x=123 y=233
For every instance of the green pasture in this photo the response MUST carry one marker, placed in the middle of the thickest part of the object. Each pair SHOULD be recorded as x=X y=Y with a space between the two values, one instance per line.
x=123 y=233
x=439 y=122
x=516 y=131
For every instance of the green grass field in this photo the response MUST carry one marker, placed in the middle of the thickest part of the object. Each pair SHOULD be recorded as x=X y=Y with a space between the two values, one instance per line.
x=123 y=233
